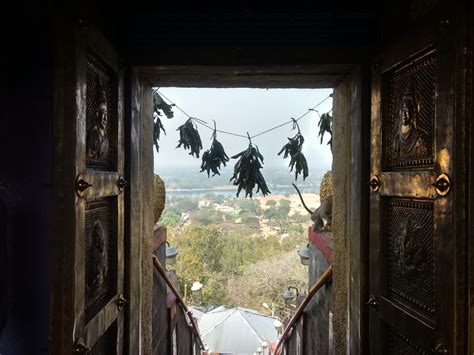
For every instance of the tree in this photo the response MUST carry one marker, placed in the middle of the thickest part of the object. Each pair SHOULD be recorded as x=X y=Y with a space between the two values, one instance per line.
x=271 y=203
x=270 y=213
x=207 y=216
x=249 y=205
x=284 y=203
x=283 y=209
x=199 y=259
x=251 y=221
x=264 y=281
x=297 y=217
x=214 y=292
x=215 y=254
x=169 y=217
x=185 y=204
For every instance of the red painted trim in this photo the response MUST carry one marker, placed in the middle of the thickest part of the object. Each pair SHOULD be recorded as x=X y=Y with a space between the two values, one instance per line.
x=322 y=241
x=159 y=237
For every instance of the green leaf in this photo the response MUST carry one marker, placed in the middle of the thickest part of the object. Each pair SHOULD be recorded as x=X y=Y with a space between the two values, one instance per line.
x=247 y=173
x=189 y=138
x=325 y=125
x=293 y=149
x=213 y=158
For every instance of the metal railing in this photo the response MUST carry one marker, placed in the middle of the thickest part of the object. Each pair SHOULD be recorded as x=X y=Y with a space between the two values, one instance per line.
x=299 y=311
x=161 y=270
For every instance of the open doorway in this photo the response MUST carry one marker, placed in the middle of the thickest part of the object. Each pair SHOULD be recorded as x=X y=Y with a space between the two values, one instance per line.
x=442 y=31
x=104 y=209
x=243 y=253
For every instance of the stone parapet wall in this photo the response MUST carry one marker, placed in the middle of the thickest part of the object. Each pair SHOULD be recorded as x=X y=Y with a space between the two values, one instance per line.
x=323 y=242
x=316 y=319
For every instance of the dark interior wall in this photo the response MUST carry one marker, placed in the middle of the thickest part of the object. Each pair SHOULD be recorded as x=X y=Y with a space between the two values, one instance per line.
x=259 y=39
x=470 y=184
x=244 y=33
x=26 y=174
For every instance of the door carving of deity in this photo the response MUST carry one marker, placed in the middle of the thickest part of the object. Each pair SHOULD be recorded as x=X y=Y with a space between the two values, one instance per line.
x=412 y=250
x=88 y=284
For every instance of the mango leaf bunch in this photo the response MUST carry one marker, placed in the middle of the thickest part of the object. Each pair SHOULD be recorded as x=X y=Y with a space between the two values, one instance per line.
x=247 y=172
x=214 y=157
x=189 y=137
x=159 y=105
x=157 y=128
x=325 y=125
x=293 y=150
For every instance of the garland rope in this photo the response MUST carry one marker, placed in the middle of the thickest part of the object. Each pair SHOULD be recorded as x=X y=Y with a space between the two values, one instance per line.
x=204 y=123
x=247 y=173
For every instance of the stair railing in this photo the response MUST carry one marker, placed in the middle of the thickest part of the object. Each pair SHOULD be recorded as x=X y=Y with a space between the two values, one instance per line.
x=299 y=311
x=161 y=270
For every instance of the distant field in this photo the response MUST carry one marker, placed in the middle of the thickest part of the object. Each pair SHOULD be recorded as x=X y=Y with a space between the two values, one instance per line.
x=311 y=200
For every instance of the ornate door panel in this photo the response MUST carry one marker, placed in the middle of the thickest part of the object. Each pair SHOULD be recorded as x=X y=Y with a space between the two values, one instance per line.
x=93 y=210
x=411 y=243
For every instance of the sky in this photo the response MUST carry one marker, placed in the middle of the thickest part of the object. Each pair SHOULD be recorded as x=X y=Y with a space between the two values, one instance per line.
x=242 y=110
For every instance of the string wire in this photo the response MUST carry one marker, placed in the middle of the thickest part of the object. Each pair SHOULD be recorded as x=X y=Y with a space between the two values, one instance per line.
x=204 y=123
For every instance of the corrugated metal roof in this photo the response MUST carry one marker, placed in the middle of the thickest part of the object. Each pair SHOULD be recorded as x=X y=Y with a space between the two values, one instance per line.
x=236 y=330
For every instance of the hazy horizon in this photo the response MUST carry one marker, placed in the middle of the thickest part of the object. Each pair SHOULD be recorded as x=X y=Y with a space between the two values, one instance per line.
x=239 y=110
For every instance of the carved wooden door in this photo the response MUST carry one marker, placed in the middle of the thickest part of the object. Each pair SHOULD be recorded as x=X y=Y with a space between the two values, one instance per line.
x=412 y=297
x=88 y=310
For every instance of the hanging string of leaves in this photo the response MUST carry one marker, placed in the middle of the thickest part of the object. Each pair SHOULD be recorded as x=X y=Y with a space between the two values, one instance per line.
x=325 y=125
x=247 y=171
x=214 y=157
x=160 y=105
x=293 y=149
x=189 y=137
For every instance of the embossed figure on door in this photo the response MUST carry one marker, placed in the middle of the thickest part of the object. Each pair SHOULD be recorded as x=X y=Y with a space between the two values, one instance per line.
x=98 y=257
x=410 y=142
x=409 y=114
x=97 y=137
x=101 y=135
x=411 y=253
